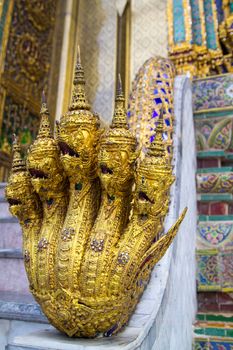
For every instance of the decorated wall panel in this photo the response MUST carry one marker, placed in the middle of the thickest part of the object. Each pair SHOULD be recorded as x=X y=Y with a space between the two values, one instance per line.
x=149 y=31
x=97 y=30
x=26 y=34
x=213 y=92
x=200 y=36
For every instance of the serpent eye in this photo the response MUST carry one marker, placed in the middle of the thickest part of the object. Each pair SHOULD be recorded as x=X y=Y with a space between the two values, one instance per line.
x=144 y=197
x=105 y=169
x=38 y=174
x=13 y=201
x=66 y=149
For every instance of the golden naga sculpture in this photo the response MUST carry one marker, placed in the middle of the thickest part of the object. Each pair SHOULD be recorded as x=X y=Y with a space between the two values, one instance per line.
x=92 y=215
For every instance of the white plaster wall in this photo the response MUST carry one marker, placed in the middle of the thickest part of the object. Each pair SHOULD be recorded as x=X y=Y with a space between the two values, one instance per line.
x=97 y=24
x=97 y=36
x=148 y=31
x=178 y=308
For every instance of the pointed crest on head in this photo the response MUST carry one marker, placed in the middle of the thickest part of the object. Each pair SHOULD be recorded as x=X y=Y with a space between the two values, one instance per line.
x=119 y=119
x=79 y=110
x=119 y=132
x=44 y=141
x=44 y=129
x=157 y=160
x=18 y=163
x=79 y=99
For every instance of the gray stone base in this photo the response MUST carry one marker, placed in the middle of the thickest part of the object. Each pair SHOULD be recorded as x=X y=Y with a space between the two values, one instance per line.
x=50 y=339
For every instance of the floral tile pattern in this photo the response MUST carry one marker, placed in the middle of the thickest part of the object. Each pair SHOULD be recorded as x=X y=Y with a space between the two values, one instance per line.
x=215 y=270
x=220 y=344
x=208 y=276
x=213 y=133
x=212 y=93
x=215 y=182
x=226 y=269
x=214 y=234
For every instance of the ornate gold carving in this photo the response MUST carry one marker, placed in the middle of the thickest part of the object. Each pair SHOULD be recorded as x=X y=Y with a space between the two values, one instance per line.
x=90 y=262
x=201 y=59
x=25 y=61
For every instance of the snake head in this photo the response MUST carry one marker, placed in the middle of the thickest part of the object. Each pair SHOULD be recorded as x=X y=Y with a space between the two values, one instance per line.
x=45 y=168
x=116 y=167
x=78 y=146
x=150 y=197
x=22 y=199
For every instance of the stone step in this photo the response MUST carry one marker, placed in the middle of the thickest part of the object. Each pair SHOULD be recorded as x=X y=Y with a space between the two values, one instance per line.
x=16 y=306
x=4 y=209
x=13 y=276
x=10 y=235
x=2 y=189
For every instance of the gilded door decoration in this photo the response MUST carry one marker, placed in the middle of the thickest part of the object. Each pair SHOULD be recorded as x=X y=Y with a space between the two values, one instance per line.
x=200 y=36
x=25 y=67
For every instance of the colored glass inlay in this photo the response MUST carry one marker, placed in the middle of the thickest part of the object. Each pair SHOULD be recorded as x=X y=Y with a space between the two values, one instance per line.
x=231 y=6
x=3 y=19
x=196 y=23
x=209 y=24
x=219 y=10
x=178 y=22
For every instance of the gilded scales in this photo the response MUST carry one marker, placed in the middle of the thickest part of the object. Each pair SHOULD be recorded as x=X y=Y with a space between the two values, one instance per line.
x=91 y=205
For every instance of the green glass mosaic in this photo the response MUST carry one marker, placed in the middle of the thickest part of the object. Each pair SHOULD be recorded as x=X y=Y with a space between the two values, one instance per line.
x=209 y=154
x=229 y=332
x=224 y=169
x=215 y=217
x=199 y=330
x=213 y=114
x=217 y=332
x=216 y=318
x=226 y=197
x=3 y=18
x=201 y=317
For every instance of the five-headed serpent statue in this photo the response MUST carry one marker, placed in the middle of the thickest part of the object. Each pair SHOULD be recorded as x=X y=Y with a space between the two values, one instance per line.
x=92 y=215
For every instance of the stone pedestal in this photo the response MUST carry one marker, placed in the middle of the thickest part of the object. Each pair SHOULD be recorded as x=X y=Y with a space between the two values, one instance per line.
x=49 y=338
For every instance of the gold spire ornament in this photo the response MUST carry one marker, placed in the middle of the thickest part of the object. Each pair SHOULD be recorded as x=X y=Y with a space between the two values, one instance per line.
x=25 y=205
x=18 y=164
x=116 y=165
x=79 y=130
x=101 y=228
x=79 y=100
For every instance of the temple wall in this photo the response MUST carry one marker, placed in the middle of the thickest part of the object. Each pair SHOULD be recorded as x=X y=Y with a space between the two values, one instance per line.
x=96 y=30
x=97 y=38
x=148 y=31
